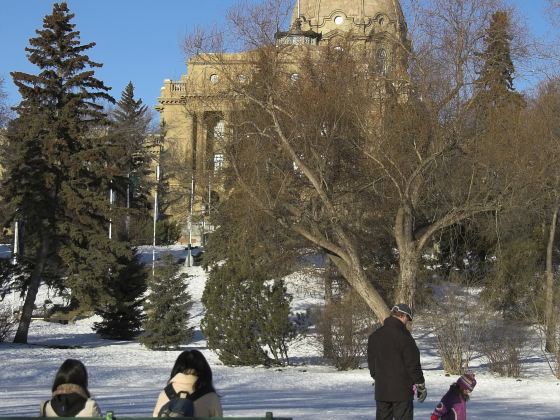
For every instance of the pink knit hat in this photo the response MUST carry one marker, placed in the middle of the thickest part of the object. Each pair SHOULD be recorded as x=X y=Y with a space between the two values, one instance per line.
x=467 y=381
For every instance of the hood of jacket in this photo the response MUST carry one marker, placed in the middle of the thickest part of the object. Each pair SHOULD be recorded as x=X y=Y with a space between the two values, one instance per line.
x=68 y=400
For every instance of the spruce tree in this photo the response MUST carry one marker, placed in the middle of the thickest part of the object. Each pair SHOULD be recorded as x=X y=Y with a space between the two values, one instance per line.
x=58 y=168
x=128 y=134
x=167 y=309
x=495 y=82
x=122 y=319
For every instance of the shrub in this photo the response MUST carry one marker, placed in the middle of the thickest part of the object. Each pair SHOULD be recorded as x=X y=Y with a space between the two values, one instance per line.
x=503 y=348
x=7 y=324
x=455 y=322
x=345 y=324
x=168 y=232
x=247 y=318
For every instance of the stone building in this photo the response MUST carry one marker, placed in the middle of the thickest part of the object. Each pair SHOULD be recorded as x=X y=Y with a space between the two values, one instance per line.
x=195 y=109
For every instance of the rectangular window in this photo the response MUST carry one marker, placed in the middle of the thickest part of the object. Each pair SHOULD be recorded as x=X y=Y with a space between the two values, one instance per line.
x=218 y=161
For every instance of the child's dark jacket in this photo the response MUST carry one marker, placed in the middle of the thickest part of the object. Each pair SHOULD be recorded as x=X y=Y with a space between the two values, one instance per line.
x=452 y=406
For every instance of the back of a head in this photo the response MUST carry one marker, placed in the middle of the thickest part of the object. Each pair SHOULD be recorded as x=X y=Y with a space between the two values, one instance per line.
x=71 y=372
x=401 y=310
x=193 y=360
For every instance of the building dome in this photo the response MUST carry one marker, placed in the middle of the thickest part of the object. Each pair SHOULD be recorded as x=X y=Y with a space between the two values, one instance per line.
x=363 y=17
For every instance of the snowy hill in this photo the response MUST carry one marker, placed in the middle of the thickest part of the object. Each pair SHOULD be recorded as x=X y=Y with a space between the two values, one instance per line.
x=126 y=378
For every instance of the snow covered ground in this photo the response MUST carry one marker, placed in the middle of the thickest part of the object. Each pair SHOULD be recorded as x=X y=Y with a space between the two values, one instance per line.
x=126 y=378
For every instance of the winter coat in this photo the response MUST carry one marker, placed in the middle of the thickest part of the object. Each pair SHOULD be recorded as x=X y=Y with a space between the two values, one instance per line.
x=394 y=362
x=452 y=406
x=206 y=406
x=70 y=400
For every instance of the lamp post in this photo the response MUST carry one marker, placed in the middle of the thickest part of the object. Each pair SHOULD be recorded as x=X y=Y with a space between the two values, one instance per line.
x=15 y=254
x=155 y=221
x=189 y=221
x=111 y=201
x=15 y=251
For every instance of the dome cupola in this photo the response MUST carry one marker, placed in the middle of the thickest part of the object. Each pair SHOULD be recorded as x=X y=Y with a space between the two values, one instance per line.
x=362 y=17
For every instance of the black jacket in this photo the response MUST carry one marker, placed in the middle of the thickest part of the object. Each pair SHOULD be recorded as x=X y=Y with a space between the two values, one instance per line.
x=394 y=362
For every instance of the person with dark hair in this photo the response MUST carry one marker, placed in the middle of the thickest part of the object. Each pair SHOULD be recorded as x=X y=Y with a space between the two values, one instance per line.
x=192 y=375
x=453 y=405
x=70 y=394
x=394 y=365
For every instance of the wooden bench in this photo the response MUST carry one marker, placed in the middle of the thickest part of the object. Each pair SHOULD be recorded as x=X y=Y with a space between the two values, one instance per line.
x=111 y=416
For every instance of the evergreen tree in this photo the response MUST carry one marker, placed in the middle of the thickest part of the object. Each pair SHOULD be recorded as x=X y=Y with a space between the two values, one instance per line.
x=495 y=83
x=56 y=162
x=122 y=320
x=129 y=131
x=247 y=308
x=231 y=324
x=247 y=315
x=276 y=326
x=167 y=309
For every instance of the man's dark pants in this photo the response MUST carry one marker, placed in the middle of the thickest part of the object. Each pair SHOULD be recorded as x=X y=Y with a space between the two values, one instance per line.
x=398 y=410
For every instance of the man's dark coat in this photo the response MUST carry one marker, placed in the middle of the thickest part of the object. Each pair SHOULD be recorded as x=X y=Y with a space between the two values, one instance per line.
x=394 y=361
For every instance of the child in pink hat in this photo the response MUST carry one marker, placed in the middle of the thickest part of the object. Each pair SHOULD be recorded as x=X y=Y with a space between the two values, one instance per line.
x=453 y=405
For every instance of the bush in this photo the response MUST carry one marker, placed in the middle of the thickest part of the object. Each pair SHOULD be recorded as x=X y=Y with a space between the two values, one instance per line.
x=503 y=348
x=345 y=324
x=247 y=320
x=455 y=322
x=7 y=324
x=168 y=232
x=512 y=285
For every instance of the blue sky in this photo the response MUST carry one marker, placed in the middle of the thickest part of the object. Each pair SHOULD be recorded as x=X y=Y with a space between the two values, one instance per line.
x=139 y=40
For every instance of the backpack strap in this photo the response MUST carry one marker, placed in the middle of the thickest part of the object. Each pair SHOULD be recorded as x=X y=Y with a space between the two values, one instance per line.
x=43 y=408
x=170 y=392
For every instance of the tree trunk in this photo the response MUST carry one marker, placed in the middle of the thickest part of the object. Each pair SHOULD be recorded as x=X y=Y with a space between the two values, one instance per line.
x=408 y=265
x=550 y=318
x=327 y=337
x=408 y=257
x=31 y=294
x=357 y=279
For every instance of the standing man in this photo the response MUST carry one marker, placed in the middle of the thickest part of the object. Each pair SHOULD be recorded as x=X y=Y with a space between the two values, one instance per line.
x=394 y=365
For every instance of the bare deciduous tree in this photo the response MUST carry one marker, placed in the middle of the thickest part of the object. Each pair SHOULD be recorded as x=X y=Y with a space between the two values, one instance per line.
x=346 y=157
x=4 y=111
x=545 y=135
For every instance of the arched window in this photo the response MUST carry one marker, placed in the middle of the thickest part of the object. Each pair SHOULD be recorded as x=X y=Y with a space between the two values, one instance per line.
x=381 y=62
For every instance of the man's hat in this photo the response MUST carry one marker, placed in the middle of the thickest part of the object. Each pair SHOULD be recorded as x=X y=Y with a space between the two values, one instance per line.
x=403 y=308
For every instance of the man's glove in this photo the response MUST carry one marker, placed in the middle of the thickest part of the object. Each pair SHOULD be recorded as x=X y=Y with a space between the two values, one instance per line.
x=421 y=392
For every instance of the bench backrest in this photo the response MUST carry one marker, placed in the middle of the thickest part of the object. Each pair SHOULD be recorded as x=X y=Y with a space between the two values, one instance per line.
x=111 y=416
